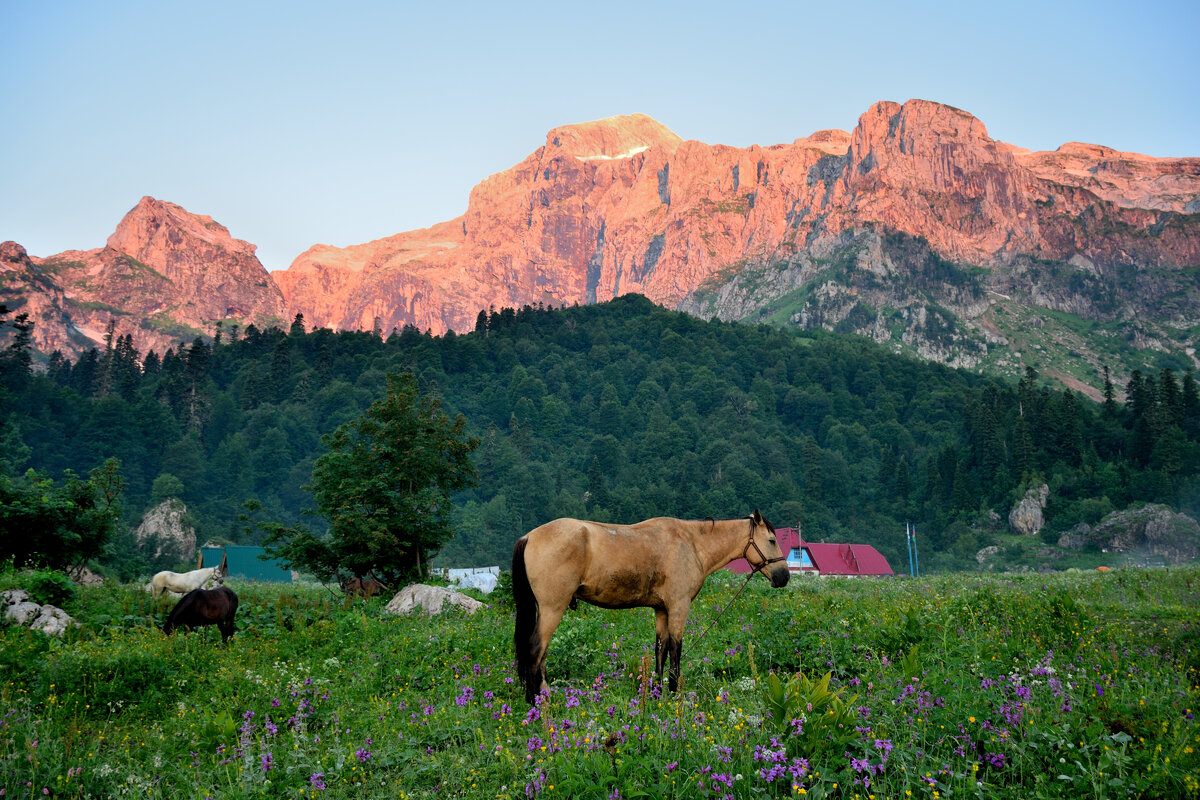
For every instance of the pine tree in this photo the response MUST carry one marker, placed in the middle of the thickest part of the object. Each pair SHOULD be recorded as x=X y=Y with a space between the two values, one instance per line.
x=1110 y=395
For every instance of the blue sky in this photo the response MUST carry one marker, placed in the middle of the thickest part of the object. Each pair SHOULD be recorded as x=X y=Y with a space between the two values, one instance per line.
x=295 y=123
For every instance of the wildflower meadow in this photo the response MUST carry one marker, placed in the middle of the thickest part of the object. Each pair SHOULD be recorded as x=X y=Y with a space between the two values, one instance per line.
x=982 y=686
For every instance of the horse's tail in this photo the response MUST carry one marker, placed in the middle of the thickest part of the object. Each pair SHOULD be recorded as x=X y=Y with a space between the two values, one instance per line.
x=525 y=637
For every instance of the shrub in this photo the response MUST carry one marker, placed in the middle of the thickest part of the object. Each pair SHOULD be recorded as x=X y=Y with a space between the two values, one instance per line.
x=49 y=587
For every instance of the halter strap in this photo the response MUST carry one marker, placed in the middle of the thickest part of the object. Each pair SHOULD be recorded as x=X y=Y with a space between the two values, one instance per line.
x=750 y=543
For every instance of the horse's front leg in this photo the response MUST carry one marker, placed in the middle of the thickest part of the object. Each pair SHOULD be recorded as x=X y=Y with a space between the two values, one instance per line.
x=675 y=626
x=660 y=642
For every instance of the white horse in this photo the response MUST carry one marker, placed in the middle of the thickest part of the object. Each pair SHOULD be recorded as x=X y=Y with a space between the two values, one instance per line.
x=167 y=581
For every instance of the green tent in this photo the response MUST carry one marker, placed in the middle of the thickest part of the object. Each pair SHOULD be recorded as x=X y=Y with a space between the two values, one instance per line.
x=245 y=564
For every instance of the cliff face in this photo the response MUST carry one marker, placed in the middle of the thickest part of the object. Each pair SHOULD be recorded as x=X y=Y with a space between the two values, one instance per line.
x=165 y=276
x=915 y=221
x=915 y=228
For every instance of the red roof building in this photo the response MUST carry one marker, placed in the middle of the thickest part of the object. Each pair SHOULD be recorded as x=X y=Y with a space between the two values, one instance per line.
x=821 y=558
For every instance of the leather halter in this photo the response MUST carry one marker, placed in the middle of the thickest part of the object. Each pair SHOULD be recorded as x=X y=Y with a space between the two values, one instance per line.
x=750 y=543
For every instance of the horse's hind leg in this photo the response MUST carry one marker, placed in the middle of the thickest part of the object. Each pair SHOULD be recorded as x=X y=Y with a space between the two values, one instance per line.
x=547 y=623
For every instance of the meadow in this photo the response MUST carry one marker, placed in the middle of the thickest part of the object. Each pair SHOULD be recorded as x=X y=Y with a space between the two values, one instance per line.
x=968 y=685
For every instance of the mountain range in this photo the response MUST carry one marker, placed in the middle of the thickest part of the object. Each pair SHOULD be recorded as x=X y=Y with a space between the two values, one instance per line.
x=915 y=228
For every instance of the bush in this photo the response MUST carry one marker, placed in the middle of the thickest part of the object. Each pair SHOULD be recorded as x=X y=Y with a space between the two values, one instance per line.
x=502 y=595
x=49 y=587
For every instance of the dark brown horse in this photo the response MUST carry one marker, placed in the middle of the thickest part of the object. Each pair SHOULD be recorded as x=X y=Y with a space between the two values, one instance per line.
x=204 y=607
x=364 y=587
x=660 y=563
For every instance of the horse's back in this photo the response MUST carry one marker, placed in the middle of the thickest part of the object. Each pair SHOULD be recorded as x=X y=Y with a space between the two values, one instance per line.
x=607 y=564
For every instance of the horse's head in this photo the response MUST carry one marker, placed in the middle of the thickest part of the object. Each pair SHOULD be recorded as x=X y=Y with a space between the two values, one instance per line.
x=763 y=553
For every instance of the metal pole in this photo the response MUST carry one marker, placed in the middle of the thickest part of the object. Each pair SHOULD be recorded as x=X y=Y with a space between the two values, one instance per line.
x=908 y=541
x=916 y=555
x=800 y=545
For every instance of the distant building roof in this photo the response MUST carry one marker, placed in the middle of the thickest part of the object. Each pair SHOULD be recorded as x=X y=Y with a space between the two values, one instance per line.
x=824 y=558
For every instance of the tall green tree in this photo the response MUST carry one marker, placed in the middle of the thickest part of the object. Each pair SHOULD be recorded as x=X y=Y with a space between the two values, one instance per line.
x=46 y=524
x=385 y=488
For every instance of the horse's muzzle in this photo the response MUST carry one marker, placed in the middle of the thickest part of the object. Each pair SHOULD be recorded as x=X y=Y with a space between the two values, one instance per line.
x=779 y=575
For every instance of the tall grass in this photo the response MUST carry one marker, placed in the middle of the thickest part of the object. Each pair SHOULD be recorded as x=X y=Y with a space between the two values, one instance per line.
x=981 y=686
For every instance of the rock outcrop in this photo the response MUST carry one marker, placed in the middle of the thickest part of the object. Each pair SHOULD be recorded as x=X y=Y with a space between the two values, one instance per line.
x=164 y=277
x=1026 y=516
x=1152 y=531
x=168 y=527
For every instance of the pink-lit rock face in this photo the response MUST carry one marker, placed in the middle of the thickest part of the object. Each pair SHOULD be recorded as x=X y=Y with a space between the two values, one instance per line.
x=623 y=205
x=164 y=277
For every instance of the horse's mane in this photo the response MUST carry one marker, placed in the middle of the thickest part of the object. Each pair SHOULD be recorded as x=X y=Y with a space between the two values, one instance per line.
x=766 y=521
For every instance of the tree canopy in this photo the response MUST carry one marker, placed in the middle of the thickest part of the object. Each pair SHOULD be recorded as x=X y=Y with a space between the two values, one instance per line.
x=617 y=411
x=45 y=524
x=385 y=486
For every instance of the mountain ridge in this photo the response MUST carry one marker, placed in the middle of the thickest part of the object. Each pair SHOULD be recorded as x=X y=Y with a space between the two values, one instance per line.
x=624 y=205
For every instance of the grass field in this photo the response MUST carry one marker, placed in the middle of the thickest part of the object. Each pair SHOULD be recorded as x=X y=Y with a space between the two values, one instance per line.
x=1065 y=685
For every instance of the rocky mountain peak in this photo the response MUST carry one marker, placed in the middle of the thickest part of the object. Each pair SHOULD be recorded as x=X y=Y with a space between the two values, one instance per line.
x=910 y=228
x=610 y=138
x=153 y=227
x=13 y=253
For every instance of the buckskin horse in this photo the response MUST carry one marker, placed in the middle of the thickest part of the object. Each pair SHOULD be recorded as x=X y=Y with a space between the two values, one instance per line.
x=201 y=607
x=660 y=563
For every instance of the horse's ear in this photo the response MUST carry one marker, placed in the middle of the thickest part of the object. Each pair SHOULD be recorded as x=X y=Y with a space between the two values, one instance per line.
x=757 y=517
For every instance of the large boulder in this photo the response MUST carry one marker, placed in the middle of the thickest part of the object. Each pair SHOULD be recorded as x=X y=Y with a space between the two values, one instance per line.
x=1026 y=516
x=22 y=613
x=168 y=525
x=431 y=599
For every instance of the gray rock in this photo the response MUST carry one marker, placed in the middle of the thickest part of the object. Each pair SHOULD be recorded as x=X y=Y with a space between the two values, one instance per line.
x=22 y=613
x=52 y=621
x=1026 y=516
x=13 y=596
x=1152 y=530
x=431 y=599
x=167 y=523
x=986 y=553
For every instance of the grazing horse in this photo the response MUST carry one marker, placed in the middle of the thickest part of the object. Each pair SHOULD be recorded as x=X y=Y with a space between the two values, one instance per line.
x=167 y=581
x=204 y=607
x=660 y=563
x=363 y=587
